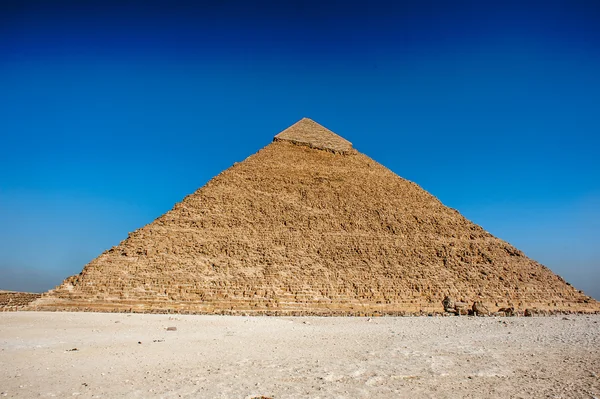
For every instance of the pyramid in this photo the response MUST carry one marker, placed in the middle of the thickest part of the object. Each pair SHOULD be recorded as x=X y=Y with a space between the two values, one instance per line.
x=308 y=225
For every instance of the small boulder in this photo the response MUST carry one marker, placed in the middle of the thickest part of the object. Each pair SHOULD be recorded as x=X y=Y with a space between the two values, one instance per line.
x=529 y=312
x=507 y=311
x=461 y=308
x=171 y=328
x=479 y=309
x=448 y=304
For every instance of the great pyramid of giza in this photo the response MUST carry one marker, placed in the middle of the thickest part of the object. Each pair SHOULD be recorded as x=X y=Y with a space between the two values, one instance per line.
x=308 y=225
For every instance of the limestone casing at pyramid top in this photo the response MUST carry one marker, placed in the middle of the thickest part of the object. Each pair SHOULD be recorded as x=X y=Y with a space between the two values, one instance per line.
x=310 y=133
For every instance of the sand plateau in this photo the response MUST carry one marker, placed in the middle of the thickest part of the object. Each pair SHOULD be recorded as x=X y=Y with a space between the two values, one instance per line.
x=135 y=356
x=308 y=225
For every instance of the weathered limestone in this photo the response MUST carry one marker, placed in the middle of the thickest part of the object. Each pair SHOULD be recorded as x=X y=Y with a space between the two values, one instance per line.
x=10 y=301
x=479 y=309
x=315 y=228
x=308 y=132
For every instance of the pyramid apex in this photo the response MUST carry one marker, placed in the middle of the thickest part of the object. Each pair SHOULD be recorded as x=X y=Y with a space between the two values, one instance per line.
x=310 y=133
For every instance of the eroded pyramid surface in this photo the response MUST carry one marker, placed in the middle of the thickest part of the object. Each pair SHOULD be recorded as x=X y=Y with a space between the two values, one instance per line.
x=294 y=229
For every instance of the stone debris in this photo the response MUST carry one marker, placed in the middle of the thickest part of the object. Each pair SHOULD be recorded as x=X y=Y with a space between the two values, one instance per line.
x=509 y=311
x=171 y=328
x=11 y=301
x=479 y=309
x=310 y=226
x=448 y=304
x=461 y=308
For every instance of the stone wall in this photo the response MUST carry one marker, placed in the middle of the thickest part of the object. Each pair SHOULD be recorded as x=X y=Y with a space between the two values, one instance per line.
x=11 y=301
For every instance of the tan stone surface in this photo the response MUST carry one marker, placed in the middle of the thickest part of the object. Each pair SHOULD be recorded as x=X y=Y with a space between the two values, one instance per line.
x=297 y=230
x=308 y=132
x=10 y=300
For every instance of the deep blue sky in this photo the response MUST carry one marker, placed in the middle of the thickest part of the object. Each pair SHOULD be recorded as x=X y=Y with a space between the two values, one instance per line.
x=112 y=112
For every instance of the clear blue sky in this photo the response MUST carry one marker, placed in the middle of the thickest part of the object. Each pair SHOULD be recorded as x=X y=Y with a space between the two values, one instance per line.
x=110 y=112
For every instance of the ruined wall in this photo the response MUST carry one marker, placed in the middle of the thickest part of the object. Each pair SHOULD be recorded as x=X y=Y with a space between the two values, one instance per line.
x=11 y=301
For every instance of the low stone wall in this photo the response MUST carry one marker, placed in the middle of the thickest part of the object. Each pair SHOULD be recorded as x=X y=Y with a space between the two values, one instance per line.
x=11 y=301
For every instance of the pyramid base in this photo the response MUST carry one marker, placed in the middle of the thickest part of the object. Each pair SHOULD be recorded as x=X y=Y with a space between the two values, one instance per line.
x=407 y=308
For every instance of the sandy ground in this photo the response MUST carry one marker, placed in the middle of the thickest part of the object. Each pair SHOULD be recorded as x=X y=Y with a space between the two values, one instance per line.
x=134 y=356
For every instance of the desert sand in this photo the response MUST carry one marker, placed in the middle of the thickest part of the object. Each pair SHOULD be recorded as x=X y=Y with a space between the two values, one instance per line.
x=102 y=355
